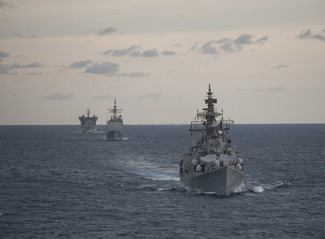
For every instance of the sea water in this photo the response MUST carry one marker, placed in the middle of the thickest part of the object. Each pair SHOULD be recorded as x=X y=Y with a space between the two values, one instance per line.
x=56 y=182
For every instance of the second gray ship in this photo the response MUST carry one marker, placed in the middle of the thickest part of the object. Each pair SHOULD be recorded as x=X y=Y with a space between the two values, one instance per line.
x=212 y=165
x=114 y=127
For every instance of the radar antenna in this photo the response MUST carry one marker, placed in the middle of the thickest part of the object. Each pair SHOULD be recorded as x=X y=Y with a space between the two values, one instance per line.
x=115 y=110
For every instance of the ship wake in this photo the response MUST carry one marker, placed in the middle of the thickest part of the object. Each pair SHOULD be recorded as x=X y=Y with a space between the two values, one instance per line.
x=268 y=187
x=151 y=170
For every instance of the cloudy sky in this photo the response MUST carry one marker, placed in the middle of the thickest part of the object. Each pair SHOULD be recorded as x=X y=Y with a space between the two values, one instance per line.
x=265 y=60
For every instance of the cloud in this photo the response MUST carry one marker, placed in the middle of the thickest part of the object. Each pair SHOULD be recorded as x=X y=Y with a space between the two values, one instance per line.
x=281 y=66
x=111 y=69
x=107 y=31
x=123 y=52
x=31 y=65
x=59 y=96
x=307 y=34
x=11 y=69
x=262 y=40
x=4 y=5
x=4 y=70
x=151 y=96
x=132 y=51
x=276 y=88
x=168 y=53
x=80 y=64
x=244 y=39
x=208 y=47
x=34 y=73
x=228 y=45
x=272 y=89
x=3 y=54
x=103 y=97
x=304 y=34
x=105 y=68
x=134 y=74
x=150 y=53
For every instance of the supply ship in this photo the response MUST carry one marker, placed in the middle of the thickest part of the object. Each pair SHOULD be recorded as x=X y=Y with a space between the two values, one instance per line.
x=88 y=124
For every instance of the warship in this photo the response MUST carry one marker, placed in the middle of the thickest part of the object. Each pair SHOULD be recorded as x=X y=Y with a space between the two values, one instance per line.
x=211 y=165
x=114 y=127
x=88 y=124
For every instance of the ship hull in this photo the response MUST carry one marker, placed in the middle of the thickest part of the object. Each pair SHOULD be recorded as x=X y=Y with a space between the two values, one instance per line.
x=88 y=124
x=88 y=130
x=224 y=180
x=114 y=135
x=114 y=129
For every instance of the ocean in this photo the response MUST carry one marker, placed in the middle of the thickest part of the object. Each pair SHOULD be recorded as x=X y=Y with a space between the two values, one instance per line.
x=56 y=182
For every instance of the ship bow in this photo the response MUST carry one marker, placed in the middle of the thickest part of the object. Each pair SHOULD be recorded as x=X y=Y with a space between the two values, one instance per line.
x=224 y=180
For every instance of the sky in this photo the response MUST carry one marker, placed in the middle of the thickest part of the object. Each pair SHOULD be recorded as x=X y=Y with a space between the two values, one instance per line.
x=265 y=60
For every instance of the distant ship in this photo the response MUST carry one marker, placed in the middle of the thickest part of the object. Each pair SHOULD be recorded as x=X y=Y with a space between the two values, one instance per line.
x=211 y=165
x=114 y=127
x=88 y=124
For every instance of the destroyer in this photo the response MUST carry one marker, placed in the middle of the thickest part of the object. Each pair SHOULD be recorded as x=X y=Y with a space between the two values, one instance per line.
x=114 y=127
x=211 y=165
x=88 y=124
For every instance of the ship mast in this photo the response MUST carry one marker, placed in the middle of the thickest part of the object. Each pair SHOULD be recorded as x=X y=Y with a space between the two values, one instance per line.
x=206 y=118
x=115 y=110
x=210 y=101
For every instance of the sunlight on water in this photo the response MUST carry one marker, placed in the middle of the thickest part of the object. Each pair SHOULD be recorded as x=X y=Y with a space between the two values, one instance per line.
x=164 y=177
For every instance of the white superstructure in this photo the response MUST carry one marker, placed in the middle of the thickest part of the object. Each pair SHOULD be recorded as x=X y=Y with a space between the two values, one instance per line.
x=114 y=127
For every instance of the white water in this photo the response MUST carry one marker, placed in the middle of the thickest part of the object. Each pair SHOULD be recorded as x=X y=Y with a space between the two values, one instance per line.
x=258 y=189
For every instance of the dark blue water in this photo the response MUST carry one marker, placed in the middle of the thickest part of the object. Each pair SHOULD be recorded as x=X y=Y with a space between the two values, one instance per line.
x=56 y=182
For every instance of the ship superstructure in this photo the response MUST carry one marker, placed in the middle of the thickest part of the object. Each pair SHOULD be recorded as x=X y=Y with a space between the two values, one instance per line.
x=211 y=165
x=114 y=127
x=88 y=123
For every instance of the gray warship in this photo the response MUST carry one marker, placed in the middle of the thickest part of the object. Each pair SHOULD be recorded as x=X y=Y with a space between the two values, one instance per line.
x=211 y=165
x=87 y=123
x=114 y=127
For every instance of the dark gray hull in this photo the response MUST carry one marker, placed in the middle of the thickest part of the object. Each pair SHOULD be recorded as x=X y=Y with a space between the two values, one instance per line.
x=114 y=135
x=90 y=129
x=224 y=180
